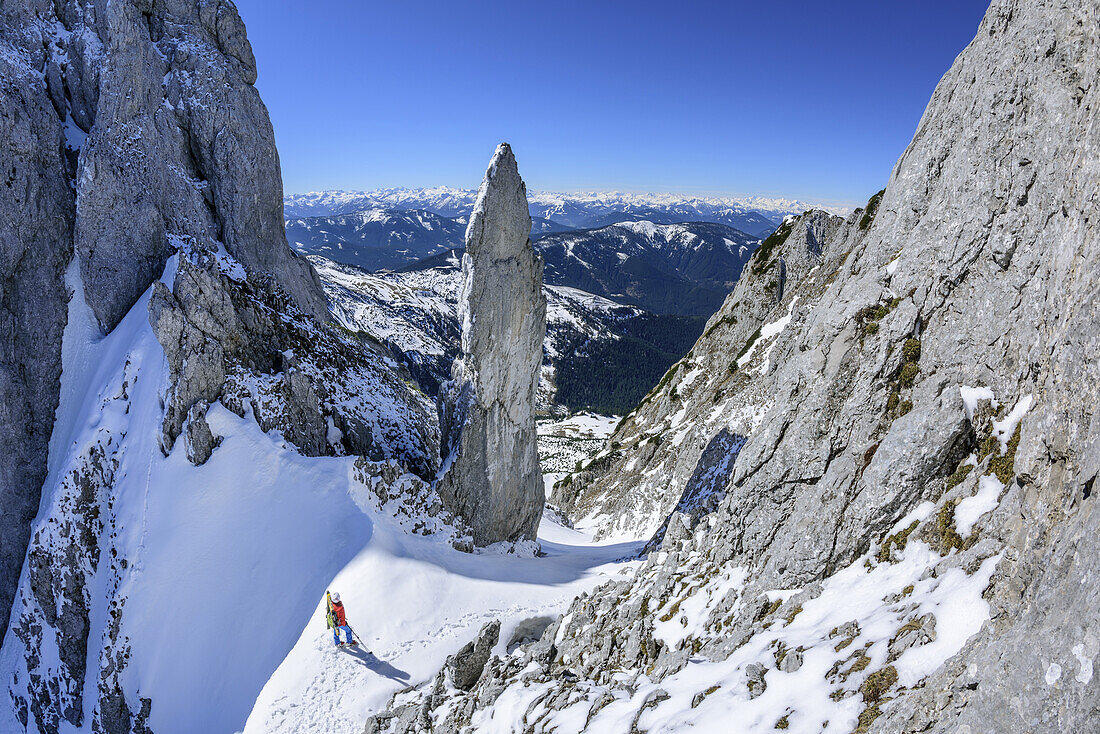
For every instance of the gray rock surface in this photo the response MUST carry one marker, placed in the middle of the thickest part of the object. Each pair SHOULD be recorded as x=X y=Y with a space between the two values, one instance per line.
x=201 y=441
x=36 y=219
x=976 y=267
x=178 y=145
x=126 y=129
x=492 y=477
x=466 y=665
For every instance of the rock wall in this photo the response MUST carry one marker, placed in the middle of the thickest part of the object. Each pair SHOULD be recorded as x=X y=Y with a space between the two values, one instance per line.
x=127 y=129
x=492 y=477
x=36 y=219
x=631 y=486
x=906 y=539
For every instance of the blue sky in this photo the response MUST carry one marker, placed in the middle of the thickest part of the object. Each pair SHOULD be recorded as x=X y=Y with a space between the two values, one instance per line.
x=813 y=100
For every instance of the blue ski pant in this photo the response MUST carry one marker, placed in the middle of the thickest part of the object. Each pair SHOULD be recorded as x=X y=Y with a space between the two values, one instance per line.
x=336 y=633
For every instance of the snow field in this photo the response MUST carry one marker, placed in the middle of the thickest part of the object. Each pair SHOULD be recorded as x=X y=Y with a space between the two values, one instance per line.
x=416 y=600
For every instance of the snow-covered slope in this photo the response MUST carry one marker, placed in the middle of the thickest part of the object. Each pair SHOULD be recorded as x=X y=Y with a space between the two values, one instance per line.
x=414 y=601
x=157 y=579
x=753 y=214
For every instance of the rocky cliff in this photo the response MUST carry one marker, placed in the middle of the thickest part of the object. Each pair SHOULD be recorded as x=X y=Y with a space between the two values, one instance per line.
x=128 y=129
x=141 y=245
x=698 y=399
x=884 y=519
x=491 y=467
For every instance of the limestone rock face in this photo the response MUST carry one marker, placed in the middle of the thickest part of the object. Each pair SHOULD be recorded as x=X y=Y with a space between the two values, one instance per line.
x=128 y=128
x=36 y=220
x=870 y=450
x=492 y=477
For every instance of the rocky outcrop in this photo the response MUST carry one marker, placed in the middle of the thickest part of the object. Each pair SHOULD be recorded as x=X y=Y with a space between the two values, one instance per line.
x=326 y=390
x=126 y=129
x=461 y=672
x=492 y=477
x=178 y=145
x=907 y=528
x=668 y=433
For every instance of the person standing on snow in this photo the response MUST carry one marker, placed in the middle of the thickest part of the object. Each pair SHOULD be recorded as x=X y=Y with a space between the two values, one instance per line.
x=338 y=621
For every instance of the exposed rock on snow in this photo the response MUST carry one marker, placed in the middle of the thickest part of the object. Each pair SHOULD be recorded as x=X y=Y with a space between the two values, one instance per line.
x=466 y=665
x=201 y=441
x=325 y=390
x=491 y=470
x=872 y=490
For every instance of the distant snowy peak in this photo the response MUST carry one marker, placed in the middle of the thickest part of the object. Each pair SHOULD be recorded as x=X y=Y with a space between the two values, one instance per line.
x=754 y=214
x=683 y=236
x=442 y=200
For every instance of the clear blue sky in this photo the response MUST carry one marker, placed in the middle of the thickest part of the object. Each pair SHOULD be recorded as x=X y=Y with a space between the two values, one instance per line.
x=814 y=100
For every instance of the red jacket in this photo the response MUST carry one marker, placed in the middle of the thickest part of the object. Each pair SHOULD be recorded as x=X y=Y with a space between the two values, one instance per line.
x=338 y=612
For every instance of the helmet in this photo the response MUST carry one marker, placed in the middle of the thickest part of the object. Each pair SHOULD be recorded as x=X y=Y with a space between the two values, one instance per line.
x=336 y=597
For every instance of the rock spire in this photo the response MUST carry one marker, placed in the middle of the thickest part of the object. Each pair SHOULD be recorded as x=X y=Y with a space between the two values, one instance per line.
x=491 y=474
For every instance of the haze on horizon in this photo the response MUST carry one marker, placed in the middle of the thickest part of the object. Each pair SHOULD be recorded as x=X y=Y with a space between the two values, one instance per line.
x=795 y=100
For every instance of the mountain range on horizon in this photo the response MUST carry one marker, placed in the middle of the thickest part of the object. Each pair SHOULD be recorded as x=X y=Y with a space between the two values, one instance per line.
x=753 y=214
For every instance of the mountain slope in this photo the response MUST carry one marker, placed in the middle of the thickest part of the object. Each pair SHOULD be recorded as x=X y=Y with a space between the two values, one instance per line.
x=598 y=354
x=684 y=269
x=673 y=426
x=899 y=536
x=386 y=239
x=375 y=239
x=126 y=131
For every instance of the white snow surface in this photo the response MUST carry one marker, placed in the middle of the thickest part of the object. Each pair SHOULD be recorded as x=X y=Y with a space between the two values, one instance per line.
x=970 y=509
x=228 y=562
x=415 y=601
x=1004 y=428
x=971 y=396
